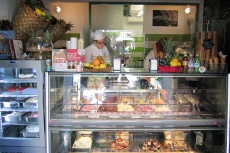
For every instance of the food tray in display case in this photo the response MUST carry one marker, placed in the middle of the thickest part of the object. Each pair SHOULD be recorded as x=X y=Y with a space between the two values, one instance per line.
x=13 y=117
x=11 y=104
x=26 y=134
x=82 y=143
x=32 y=118
x=30 y=104
x=31 y=131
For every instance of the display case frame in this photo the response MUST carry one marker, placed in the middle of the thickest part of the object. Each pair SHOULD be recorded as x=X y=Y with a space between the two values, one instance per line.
x=137 y=121
x=21 y=141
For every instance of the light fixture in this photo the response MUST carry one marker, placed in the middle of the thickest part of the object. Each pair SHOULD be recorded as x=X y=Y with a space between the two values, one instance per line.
x=140 y=13
x=187 y=10
x=58 y=9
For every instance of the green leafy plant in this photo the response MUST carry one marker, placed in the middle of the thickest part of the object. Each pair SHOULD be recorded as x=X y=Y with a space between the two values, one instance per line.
x=167 y=45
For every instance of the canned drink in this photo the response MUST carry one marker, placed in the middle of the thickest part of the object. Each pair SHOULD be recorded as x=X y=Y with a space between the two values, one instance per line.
x=48 y=65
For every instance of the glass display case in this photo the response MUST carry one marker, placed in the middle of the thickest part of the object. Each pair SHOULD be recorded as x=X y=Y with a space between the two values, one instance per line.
x=136 y=112
x=21 y=111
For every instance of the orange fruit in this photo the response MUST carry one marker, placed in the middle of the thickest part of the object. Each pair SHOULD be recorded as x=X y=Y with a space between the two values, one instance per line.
x=96 y=62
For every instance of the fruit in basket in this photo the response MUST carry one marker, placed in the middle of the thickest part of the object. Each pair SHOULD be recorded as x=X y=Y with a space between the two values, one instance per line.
x=175 y=62
x=172 y=63
x=163 y=62
x=101 y=59
x=43 y=13
x=86 y=64
x=96 y=62
x=91 y=66
x=38 y=11
x=102 y=66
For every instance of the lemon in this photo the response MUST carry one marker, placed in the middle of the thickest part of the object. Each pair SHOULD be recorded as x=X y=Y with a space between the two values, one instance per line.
x=96 y=67
x=172 y=63
x=43 y=13
x=102 y=66
x=175 y=60
x=178 y=63
x=86 y=64
x=38 y=11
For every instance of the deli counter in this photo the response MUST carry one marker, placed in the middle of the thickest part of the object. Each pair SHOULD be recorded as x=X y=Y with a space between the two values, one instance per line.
x=136 y=112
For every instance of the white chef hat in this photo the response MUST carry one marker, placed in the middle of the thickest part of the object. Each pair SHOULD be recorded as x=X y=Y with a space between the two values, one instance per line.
x=97 y=35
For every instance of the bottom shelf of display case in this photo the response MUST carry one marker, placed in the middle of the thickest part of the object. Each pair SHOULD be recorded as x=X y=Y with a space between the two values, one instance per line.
x=124 y=141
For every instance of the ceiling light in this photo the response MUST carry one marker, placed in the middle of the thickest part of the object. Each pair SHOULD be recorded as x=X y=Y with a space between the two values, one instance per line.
x=187 y=10
x=140 y=13
x=58 y=9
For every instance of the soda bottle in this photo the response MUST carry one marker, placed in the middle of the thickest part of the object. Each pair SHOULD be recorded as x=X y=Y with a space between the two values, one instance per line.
x=185 y=63
x=190 y=64
x=196 y=63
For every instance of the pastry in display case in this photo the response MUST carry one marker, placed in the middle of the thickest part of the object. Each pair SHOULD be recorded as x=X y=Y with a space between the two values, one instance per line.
x=173 y=113
x=21 y=111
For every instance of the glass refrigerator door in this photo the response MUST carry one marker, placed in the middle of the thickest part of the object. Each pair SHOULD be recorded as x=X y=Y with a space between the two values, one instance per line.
x=21 y=98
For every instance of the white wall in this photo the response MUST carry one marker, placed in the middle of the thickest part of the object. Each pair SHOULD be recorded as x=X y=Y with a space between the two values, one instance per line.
x=76 y=13
x=8 y=9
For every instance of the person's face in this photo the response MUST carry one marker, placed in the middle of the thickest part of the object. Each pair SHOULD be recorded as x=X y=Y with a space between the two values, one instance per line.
x=99 y=43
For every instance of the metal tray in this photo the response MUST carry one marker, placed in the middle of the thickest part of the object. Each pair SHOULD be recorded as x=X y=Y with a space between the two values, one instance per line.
x=30 y=134
x=31 y=119
x=30 y=104
x=11 y=104
x=13 y=118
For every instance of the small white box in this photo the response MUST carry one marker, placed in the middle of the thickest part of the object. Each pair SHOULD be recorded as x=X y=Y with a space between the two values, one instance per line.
x=60 y=66
x=153 y=65
x=117 y=64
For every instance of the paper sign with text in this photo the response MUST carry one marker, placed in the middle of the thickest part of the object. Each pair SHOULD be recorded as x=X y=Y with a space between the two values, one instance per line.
x=75 y=55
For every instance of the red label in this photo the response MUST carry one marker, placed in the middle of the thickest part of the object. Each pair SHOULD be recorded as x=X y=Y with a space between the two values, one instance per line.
x=73 y=55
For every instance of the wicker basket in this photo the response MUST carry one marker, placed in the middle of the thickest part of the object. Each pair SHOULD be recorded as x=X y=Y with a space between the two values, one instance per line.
x=171 y=69
x=57 y=31
x=107 y=69
x=27 y=20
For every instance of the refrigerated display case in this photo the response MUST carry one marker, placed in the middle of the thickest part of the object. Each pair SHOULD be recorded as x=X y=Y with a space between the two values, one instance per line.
x=136 y=112
x=22 y=114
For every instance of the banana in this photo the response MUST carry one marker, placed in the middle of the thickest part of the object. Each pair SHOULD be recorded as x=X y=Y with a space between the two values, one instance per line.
x=101 y=59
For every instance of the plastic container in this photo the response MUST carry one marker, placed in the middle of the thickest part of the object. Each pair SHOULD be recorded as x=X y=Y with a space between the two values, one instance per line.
x=40 y=47
x=169 y=69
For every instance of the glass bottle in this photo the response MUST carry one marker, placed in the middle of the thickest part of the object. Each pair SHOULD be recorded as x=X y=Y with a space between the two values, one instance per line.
x=185 y=63
x=190 y=64
x=196 y=63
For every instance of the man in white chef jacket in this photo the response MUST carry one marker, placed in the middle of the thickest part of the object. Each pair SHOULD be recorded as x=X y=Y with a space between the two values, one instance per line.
x=97 y=48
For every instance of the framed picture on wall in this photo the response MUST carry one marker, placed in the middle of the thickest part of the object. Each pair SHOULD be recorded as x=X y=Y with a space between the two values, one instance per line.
x=165 y=18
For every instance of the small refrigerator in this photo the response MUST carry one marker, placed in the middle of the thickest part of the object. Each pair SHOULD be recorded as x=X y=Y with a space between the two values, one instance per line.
x=21 y=112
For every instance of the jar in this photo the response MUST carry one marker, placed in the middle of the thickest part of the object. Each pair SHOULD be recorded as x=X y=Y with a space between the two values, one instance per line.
x=39 y=47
